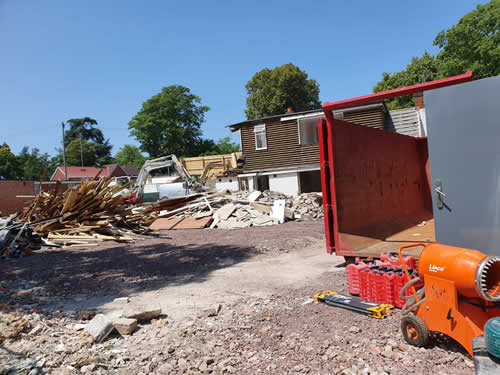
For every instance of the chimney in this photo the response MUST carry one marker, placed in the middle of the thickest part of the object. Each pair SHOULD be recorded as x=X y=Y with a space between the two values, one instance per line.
x=418 y=98
x=289 y=110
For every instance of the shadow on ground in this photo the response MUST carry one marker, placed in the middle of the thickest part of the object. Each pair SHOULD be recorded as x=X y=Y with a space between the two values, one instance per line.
x=105 y=273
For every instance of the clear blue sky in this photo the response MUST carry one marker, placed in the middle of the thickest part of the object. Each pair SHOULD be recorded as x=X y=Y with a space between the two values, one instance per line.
x=103 y=59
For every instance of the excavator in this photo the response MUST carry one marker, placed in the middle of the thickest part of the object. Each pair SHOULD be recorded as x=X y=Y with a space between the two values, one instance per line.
x=136 y=192
x=214 y=164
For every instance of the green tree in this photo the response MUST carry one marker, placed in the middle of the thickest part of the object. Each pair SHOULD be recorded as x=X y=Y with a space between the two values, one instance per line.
x=9 y=165
x=170 y=123
x=421 y=69
x=32 y=164
x=272 y=91
x=223 y=146
x=472 y=44
x=86 y=127
x=130 y=154
x=73 y=154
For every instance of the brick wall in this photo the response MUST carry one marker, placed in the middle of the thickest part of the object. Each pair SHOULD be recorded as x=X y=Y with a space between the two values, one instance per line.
x=418 y=98
x=9 y=203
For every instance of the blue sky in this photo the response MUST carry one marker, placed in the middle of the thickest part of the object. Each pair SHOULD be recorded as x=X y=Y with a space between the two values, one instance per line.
x=103 y=59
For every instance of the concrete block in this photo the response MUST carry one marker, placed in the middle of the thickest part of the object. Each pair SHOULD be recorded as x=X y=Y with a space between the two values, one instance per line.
x=99 y=327
x=226 y=211
x=253 y=196
x=125 y=326
x=142 y=312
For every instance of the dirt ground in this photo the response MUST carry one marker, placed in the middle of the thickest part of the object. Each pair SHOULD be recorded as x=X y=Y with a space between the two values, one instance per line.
x=261 y=278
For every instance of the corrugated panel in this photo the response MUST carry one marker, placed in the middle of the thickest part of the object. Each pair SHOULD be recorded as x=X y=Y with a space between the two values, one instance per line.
x=372 y=119
x=403 y=121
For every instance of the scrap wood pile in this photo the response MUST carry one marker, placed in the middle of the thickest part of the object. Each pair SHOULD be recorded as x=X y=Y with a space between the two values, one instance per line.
x=89 y=213
x=237 y=210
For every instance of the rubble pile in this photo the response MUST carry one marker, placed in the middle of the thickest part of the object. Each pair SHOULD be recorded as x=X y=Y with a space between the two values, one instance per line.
x=232 y=216
x=17 y=239
x=89 y=213
x=305 y=206
x=239 y=210
x=308 y=205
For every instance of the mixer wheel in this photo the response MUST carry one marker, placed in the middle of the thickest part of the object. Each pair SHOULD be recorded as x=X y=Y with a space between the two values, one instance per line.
x=414 y=330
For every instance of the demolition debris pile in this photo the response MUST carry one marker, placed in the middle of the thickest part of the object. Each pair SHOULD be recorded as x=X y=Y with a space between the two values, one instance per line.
x=239 y=210
x=89 y=213
x=93 y=212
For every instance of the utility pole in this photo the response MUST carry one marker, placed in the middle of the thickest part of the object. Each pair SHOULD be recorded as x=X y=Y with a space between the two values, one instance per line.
x=81 y=150
x=64 y=153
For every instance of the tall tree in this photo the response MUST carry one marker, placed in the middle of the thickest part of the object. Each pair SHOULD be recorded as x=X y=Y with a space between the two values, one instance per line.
x=472 y=44
x=9 y=165
x=88 y=150
x=421 y=69
x=86 y=128
x=170 y=123
x=32 y=164
x=272 y=91
x=130 y=154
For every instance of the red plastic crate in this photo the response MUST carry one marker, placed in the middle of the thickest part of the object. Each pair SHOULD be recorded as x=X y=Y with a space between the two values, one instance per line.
x=394 y=260
x=353 y=272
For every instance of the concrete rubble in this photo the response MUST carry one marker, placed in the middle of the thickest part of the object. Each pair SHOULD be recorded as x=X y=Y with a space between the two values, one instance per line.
x=251 y=335
x=125 y=326
x=123 y=317
x=241 y=210
x=99 y=327
x=142 y=312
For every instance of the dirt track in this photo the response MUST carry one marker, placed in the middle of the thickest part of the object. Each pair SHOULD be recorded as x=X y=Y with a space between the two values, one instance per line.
x=262 y=278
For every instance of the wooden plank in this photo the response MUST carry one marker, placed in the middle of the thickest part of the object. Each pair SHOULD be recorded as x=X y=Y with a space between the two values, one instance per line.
x=180 y=223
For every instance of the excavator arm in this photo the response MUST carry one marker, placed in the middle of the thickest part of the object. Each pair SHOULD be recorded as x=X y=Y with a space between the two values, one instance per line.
x=164 y=161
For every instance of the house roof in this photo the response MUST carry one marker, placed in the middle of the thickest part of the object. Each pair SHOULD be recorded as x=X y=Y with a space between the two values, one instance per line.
x=79 y=172
x=248 y=122
x=237 y=126
x=130 y=170
x=111 y=168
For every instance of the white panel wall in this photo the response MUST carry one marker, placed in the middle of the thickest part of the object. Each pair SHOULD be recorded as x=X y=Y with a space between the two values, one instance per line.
x=251 y=183
x=222 y=184
x=286 y=183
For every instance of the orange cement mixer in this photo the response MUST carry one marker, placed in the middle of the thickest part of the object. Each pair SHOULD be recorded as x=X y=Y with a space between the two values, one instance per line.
x=461 y=292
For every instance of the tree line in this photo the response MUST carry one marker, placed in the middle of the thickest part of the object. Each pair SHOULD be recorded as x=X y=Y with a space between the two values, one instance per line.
x=472 y=44
x=170 y=122
x=85 y=141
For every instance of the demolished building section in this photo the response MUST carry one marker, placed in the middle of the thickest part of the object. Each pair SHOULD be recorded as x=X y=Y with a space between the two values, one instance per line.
x=240 y=210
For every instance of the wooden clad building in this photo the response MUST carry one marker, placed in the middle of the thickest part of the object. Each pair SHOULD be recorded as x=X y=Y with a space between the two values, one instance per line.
x=281 y=152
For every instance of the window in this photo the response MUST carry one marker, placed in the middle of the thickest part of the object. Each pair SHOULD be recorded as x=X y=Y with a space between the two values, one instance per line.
x=308 y=131
x=260 y=137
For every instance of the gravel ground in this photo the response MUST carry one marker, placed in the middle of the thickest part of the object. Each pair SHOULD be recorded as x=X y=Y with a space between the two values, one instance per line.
x=283 y=333
x=178 y=256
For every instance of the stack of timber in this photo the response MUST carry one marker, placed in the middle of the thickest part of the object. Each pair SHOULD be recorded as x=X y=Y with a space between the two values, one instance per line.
x=91 y=212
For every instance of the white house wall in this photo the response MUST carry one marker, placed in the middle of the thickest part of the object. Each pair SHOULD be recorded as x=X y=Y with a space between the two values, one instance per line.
x=286 y=183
